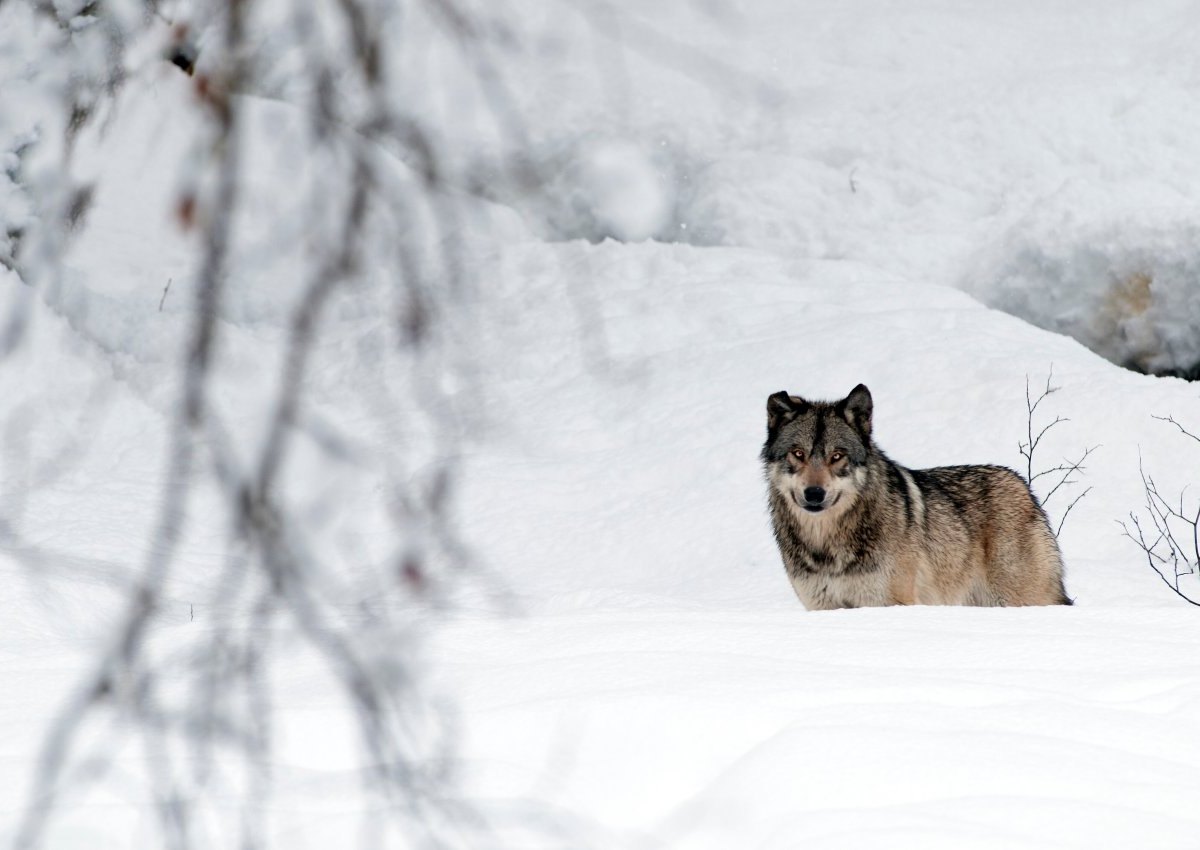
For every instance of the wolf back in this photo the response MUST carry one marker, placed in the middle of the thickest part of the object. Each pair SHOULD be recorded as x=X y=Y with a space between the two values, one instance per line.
x=856 y=529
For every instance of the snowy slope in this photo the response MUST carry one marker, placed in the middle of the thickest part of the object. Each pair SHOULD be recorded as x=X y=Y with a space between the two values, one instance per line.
x=902 y=728
x=664 y=683
x=647 y=679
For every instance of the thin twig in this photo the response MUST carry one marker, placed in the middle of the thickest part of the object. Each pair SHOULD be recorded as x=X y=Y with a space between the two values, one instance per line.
x=1065 y=470
x=1075 y=501
x=1171 y=419
x=1151 y=555
x=1161 y=514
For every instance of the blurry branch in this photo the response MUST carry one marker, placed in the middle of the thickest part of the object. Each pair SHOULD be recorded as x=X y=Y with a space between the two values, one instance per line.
x=1171 y=540
x=274 y=570
x=476 y=51
x=202 y=706
x=124 y=679
x=656 y=46
x=1064 y=474
x=92 y=44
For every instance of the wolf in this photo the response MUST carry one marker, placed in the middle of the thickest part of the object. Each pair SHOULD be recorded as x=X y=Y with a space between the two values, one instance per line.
x=856 y=529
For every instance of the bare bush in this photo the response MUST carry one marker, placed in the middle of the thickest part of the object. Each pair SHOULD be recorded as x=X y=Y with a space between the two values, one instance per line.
x=1170 y=539
x=1063 y=475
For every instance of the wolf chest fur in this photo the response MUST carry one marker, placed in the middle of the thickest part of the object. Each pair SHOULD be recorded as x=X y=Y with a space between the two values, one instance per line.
x=856 y=529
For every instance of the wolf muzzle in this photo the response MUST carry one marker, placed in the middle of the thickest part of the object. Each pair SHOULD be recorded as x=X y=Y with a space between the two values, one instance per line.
x=814 y=499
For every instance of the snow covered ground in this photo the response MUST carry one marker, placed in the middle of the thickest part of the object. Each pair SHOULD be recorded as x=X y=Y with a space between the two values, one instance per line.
x=827 y=182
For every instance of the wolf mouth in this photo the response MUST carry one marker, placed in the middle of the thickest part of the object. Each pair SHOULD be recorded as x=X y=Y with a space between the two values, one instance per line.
x=815 y=509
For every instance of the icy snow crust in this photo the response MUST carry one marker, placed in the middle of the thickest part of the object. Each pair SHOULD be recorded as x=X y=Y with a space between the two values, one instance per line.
x=647 y=678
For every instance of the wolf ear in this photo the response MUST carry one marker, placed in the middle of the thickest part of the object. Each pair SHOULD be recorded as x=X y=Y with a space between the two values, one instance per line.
x=782 y=409
x=857 y=408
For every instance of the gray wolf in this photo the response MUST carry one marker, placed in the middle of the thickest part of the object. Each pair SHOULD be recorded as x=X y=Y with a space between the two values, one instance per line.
x=856 y=529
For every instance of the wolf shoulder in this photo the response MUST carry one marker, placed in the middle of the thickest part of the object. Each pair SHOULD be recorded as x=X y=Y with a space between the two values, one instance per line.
x=976 y=485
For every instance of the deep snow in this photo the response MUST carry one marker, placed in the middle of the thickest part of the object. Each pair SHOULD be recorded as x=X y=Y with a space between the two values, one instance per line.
x=647 y=679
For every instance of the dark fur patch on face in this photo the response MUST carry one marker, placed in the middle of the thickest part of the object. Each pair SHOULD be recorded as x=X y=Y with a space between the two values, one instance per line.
x=818 y=432
x=819 y=428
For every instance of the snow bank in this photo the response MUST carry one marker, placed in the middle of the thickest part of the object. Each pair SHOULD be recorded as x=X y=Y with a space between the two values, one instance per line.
x=1126 y=284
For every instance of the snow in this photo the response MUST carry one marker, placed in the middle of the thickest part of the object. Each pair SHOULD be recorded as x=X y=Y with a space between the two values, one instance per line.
x=915 y=729
x=840 y=193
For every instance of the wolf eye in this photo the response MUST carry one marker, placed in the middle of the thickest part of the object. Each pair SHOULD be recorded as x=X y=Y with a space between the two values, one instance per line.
x=835 y=457
x=798 y=455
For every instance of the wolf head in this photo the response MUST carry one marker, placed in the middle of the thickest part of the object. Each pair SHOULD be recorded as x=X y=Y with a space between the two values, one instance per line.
x=816 y=452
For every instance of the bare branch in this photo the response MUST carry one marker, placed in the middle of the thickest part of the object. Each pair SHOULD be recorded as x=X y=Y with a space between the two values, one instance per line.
x=1068 y=469
x=1183 y=430
x=1066 y=513
x=1149 y=549
x=1173 y=524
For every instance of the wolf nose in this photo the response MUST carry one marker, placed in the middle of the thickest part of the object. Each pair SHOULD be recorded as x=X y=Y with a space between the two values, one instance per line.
x=814 y=495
